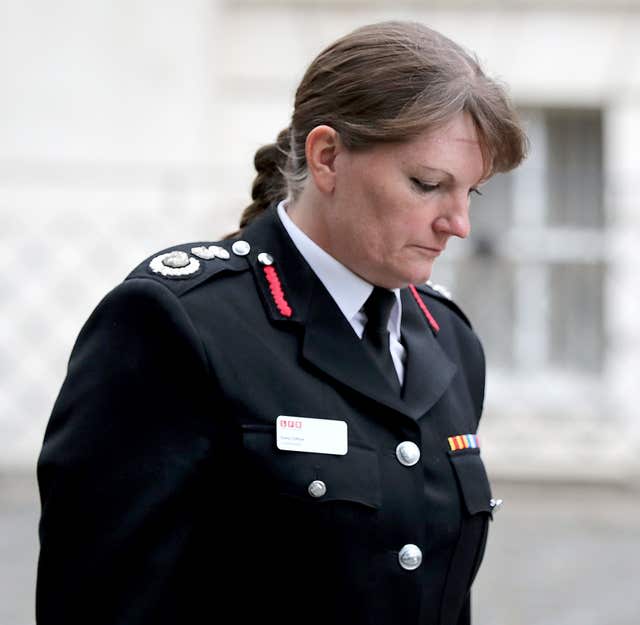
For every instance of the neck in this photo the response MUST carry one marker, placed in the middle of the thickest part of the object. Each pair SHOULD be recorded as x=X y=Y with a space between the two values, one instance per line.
x=307 y=213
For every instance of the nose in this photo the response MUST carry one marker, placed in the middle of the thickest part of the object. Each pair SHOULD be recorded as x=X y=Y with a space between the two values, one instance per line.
x=454 y=220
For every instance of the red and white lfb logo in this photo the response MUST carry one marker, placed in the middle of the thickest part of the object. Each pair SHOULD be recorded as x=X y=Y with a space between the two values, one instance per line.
x=293 y=424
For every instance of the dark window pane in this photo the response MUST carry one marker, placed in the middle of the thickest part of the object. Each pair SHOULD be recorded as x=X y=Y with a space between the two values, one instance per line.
x=493 y=207
x=484 y=290
x=577 y=339
x=574 y=172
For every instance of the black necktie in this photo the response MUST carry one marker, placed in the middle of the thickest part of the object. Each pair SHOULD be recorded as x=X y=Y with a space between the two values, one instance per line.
x=376 y=335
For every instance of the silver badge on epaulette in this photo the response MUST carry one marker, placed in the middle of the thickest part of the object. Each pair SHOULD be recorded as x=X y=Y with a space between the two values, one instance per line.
x=221 y=252
x=174 y=264
x=210 y=252
x=443 y=290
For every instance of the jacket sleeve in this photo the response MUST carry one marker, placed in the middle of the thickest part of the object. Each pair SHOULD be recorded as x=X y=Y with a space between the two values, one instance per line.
x=121 y=468
x=476 y=374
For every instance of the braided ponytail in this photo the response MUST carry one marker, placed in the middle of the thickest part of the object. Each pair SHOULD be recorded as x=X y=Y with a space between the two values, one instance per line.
x=269 y=185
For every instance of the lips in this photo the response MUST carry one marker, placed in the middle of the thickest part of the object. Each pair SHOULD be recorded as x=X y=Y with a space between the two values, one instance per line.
x=430 y=249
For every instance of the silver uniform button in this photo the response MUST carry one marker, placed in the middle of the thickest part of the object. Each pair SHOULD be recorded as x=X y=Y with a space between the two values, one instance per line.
x=495 y=504
x=440 y=289
x=317 y=488
x=240 y=248
x=176 y=260
x=265 y=259
x=410 y=557
x=407 y=453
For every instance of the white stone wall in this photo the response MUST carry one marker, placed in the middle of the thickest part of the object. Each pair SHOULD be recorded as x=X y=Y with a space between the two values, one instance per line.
x=108 y=124
x=623 y=293
x=125 y=127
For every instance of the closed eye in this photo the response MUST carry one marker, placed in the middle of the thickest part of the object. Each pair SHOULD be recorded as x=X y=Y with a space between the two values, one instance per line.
x=424 y=187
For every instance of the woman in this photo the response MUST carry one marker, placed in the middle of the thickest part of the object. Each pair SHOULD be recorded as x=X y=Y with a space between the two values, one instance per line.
x=280 y=425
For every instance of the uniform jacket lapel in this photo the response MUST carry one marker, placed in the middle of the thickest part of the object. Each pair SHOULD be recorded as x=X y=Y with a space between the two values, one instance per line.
x=331 y=345
x=327 y=339
x=428 y=369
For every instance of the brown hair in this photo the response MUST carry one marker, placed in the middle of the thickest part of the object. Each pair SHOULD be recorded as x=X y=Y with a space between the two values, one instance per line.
x=387 y=82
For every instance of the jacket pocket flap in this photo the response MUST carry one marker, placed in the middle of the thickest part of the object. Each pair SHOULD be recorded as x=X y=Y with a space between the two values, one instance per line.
x=472 y=479
x=353 y=477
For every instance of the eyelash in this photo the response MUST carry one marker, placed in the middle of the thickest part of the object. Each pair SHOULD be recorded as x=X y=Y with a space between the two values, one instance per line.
x=425 y=187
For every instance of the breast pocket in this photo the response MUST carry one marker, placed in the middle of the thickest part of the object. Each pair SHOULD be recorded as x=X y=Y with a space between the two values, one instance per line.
x=472 y=480
x=475 y=495
x=311 y=478
x=317 y=517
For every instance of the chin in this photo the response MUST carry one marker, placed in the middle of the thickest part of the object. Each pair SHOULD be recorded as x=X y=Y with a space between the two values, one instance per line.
x=421 y=274
x=402 y=279
x=399 y=274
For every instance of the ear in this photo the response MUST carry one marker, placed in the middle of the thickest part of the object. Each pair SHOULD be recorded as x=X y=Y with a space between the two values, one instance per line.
x=321 y=148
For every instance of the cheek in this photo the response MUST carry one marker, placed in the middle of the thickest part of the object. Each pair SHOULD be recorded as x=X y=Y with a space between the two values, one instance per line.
x=369 y=212
x=384 y=214
x=389 y=204
x=406 y=223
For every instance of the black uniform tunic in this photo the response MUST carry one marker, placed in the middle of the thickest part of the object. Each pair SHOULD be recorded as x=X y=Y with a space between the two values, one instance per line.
x=166 y=500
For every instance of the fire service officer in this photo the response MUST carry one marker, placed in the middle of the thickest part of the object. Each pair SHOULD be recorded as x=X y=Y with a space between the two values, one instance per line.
x=280 y=426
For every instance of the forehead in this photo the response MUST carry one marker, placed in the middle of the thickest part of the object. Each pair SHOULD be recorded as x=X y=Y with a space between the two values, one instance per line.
x=459 y=135
x=453 y=147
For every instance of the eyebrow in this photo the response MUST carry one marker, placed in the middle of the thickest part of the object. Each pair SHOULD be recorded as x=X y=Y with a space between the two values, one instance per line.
x=434 y=170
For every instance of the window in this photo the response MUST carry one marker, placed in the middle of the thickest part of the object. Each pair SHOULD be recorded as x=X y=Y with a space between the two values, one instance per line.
x=532 y=274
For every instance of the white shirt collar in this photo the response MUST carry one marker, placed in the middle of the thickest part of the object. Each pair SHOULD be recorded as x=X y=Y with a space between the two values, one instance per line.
x=348 y=290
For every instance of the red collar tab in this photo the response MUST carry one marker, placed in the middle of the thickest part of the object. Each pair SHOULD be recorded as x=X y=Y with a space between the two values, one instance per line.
x=275 y=287
x=423 y=307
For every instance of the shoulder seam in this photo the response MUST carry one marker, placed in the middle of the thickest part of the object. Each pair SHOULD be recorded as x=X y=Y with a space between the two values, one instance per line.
x=429 y=291
x=192 y=326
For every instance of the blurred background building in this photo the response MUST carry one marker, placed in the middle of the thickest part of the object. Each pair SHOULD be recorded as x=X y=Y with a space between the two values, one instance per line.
x=128 y=126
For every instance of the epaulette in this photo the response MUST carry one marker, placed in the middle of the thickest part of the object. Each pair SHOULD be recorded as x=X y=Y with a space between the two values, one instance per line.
x=183 y=267
x=442 y=294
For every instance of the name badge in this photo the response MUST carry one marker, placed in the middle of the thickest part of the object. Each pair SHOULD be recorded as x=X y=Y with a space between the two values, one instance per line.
x=320 y=436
